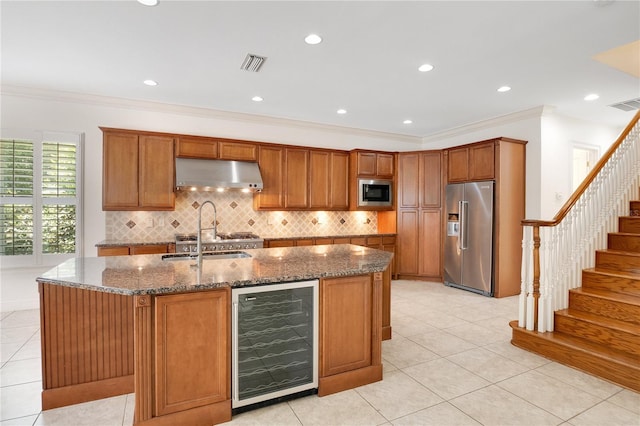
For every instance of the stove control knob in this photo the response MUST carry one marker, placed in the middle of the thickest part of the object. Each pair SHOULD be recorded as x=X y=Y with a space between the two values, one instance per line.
x=185 y=248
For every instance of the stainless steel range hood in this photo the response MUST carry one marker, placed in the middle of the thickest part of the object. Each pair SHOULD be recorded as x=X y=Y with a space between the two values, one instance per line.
x=214 y=175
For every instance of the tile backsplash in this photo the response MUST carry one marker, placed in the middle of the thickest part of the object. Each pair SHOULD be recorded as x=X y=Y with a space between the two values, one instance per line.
x=235 y=214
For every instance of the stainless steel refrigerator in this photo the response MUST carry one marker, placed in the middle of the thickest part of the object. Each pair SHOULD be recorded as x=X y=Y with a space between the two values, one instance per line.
x=468 y=248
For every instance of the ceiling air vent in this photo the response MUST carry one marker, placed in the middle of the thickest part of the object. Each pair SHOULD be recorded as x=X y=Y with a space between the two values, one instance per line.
x=630 y=105
x=253 y=63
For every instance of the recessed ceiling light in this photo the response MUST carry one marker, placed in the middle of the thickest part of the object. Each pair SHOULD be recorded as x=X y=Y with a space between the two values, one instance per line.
x=313 y=39
x=257 y=99
x=407 y=122
x=425 y=67
x=504 y=89
x=341 y=111
x=591 y=97
x=150 y=82
x=148 y=2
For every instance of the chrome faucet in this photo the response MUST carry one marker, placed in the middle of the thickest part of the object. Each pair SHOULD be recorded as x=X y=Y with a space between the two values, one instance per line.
x=215 y=227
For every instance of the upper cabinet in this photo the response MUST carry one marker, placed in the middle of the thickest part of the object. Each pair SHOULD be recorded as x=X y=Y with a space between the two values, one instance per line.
x=302 y=179
x=471 y=163
x=373 y=164
x=138 y=171
x=215 y=149
x=328 y=180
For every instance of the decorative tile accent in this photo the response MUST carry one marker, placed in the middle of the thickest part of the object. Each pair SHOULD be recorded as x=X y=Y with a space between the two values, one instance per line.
x=241 y=218
x=131 y=224
x=634 y=213
x=368 y=221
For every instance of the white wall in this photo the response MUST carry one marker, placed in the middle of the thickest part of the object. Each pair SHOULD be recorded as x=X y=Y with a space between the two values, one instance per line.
x=559 y=135
x=523 y=126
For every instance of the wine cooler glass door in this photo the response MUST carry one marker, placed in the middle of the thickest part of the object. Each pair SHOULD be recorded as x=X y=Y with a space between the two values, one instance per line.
x=275 y=341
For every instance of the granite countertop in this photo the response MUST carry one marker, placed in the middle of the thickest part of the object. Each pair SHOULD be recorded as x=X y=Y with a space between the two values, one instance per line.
x=117 y=243
x=149 y=274
x=139 y=242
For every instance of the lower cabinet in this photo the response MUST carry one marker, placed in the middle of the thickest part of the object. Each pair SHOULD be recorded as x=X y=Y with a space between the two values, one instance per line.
x=183 y=358
x=191 y=368
x=136 y=249
x=350 y=332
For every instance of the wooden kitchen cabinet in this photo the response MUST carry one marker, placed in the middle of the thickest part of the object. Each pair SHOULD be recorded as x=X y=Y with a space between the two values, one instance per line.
x=328 y=180
x=195 y=147
x=192 y=369
x=373 y=164
x=240 y=151
x=136 y=249
x=350 y=324
x=472 y=163
x=419 y=252
x=138 y=171
x=296 y=170
x=271 y=162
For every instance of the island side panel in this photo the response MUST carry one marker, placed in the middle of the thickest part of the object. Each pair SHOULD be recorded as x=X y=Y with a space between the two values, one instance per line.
x=350 y=332
x=86 y=345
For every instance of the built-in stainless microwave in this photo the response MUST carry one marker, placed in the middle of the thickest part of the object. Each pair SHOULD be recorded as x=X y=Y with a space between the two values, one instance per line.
x=375 y=192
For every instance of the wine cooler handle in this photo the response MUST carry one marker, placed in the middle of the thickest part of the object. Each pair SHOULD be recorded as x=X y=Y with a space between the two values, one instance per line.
x=234 y=332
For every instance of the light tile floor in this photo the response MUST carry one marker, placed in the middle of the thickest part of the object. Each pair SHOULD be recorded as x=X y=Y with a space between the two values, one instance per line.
x=449 y=363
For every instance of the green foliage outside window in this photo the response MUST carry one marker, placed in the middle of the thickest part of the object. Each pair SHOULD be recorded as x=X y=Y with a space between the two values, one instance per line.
x=58 y=191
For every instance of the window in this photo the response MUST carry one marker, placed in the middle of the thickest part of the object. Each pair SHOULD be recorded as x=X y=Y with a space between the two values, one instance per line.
x=40 y=212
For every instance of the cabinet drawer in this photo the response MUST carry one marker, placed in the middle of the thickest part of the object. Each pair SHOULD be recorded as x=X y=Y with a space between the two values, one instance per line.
x=342 y=241
x=148 y=249
x=305 y=242
x=323 y=241
x=113 y=251
x=281 y=243
x=374 y=241
x=388 y=240
x=359 y=241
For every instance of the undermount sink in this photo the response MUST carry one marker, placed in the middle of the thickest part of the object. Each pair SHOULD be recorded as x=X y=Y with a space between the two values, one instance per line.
x=207 y=255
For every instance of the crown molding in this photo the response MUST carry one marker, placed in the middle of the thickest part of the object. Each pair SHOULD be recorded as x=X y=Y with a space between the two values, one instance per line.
x=536 y=112
x=98 y=100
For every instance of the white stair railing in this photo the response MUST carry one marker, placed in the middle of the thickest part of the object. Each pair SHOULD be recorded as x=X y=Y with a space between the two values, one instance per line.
x=555 y=252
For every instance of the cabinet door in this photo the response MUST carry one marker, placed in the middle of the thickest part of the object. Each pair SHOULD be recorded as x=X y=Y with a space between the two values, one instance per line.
x=192 y=350
x=296 y=194
x=339 y=179
x=408 y=240
x=431 y=179
x=120 y=171
x=157 y=173
x=319 y=179
x=458 y=165
x=279 y=243
x=430 y=237
x=384 y=165
x=408 y=180
x=345 y=324
x=366 y=164
x=238 y=151
x=271 y=161
x=196 y=148
x=481 y=161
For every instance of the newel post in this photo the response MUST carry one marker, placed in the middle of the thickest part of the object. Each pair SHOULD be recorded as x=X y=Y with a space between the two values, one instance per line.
x=536 y=273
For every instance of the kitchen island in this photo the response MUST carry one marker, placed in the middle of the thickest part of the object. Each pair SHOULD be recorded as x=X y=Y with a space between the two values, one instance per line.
x=161 y=328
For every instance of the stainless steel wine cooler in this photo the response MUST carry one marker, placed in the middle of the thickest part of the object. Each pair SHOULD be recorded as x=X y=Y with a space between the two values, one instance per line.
x=275 y=341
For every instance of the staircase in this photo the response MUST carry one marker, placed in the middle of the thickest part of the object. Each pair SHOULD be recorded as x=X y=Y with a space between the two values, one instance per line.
x=599 y=332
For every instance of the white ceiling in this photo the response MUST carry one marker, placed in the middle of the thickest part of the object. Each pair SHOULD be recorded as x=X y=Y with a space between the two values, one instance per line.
x=366 y=64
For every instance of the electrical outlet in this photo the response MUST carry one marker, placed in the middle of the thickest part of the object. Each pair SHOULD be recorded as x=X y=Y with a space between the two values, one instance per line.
x=149 y=222
x=160 y=221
